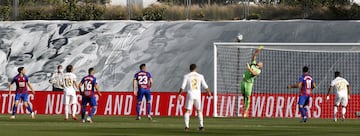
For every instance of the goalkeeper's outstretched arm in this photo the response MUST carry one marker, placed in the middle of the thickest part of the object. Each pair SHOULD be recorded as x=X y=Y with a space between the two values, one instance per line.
x=256 y=53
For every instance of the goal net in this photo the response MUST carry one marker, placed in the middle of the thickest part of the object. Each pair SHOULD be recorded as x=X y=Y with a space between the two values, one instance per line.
x=283 y=64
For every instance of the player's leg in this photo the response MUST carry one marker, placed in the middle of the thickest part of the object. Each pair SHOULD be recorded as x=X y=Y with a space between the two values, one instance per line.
x=344 y=103
x=188 y=107
x=93 y=105
x=25 y=100
x=66 y=104
x=336 y=105
x=139 y=98
x=247 y=95
x=14 y=109
x=83 y=108
x=148 y=103
x=73 y=102
x=301 y=104
x=199 y=113
x=306 y=105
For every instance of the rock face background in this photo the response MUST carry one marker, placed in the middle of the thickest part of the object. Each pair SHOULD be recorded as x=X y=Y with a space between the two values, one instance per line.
x=117 y=48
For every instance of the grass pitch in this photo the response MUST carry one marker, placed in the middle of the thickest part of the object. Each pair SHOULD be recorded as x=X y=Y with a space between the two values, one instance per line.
x=48 y=125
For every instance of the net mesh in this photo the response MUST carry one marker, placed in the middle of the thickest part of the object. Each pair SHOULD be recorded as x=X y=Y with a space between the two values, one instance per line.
x=270 y=97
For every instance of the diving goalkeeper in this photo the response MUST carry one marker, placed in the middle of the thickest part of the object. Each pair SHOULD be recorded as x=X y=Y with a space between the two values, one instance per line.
x=252 y=71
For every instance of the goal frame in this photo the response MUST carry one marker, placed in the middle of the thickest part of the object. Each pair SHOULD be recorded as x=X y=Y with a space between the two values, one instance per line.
x=254 y=44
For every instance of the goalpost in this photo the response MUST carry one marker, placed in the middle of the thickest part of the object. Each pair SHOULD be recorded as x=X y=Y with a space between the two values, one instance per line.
x=282 y=66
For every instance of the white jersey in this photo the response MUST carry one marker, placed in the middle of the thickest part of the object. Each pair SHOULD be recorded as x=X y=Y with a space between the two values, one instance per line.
x=340 y=86
x=68 y=81
x=192 y=84
x=57 y=80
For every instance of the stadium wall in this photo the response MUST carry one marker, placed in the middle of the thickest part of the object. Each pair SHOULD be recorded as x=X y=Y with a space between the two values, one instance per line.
x=116 y=48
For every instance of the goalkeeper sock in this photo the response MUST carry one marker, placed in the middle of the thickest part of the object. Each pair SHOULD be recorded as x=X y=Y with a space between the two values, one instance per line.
x=187 y=118
x=247 y=103
x=14 y=110
x=66 y=111
x=201 y=121
x=29 y=109
x=148 y=106
x=92 y=111
x=73 y=109
x=138 y=109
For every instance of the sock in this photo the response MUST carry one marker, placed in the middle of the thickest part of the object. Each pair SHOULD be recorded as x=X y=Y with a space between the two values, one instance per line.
x=83 y=110
x=343 y=111
x=29 y=109
x=148 y=106
x=306 y=111
x=138 y=109
x=14 y=110
x=201 y=120
x=66 y=111
x=187 y=118
x=302 y=111
x=247 y=103
x=92 y=111
x=73 y=109
x=335 y=111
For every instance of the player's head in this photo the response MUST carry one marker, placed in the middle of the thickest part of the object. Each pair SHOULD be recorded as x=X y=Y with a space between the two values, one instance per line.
x=305 y=69
x=142 y=67
x=60 y=68
x=193 y=67
x=260 y=64
x=337 y=74
x=69 y=68
x=91 y=71
x=21 y=70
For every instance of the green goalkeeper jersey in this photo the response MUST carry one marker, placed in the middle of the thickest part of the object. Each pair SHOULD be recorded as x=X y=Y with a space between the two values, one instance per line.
x=248 y=77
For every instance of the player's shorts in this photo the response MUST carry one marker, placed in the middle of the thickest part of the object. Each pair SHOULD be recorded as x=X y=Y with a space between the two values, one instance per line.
x=246 y=88
x=91 y=100
x=21 y=96
x=70 y=98
x=190 y=102
x=341 y=99
x=304 y=100
x=142 y=93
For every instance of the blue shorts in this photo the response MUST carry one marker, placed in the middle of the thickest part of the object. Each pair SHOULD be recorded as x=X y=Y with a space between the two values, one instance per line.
x=91 y=100
x=21 y=96
x=141 y=93
x=304 y=100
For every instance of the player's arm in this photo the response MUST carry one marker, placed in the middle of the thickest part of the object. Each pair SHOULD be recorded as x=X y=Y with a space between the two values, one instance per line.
x=28 y=83
x=97 y=89
x=134 y=86
x=79 y=87
x=256 y=53
x=151 y=82
x=203 y=82
x=298 y=85
x=183 y=85
x=328 y=93
x=253 y=72
x=52 y=79
x=10 y=86
x=76 y=84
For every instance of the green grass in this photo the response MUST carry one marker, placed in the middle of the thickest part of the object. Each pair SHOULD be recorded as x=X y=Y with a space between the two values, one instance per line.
x=171 y=126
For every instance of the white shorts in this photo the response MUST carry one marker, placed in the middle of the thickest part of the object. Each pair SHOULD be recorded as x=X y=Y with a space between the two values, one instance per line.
x=70 y=99
x=190 y=102
x=341 y=99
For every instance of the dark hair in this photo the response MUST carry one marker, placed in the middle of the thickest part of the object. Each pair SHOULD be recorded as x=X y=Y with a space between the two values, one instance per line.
x=305 y=69
x=20 y=69
x=142 y=66
x=69 y=68
x=337 y=73
x=90 y=70
x=59 y=66
x=192 y=67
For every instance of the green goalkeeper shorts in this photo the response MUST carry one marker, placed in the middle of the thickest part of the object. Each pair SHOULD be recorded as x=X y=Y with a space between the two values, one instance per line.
x=246 y=88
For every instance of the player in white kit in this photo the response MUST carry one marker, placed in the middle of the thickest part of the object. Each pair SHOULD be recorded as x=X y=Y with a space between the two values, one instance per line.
x=342 y=87
x=192 y=84
x=69 y=84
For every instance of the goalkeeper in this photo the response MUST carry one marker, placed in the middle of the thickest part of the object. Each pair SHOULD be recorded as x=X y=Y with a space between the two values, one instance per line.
x=252 y=71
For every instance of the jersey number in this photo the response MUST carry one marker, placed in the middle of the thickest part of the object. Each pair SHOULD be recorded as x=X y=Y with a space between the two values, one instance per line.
x=340 y=86
x=308 y=86
x=68 y=82
x=88 y=85
x=194 y=83
x=143 y=80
